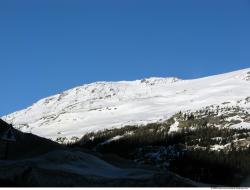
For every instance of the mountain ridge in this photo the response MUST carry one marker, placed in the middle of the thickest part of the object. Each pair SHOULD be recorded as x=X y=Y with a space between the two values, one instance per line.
x=101 y=105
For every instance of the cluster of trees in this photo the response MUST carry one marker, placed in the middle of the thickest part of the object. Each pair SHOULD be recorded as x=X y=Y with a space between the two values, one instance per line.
x=207 y=136
x=214 y=167
x=154 y=133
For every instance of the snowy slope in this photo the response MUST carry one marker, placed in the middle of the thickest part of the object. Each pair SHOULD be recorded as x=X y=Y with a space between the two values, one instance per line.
x=101 y=105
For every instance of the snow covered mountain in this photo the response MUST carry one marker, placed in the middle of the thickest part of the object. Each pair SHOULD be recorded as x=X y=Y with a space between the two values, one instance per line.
x=103 y=105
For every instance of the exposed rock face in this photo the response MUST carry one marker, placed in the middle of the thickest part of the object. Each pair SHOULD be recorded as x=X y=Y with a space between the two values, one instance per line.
x=247 y=78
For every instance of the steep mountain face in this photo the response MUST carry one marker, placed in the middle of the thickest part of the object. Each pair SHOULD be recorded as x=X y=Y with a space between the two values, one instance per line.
x=105 y=105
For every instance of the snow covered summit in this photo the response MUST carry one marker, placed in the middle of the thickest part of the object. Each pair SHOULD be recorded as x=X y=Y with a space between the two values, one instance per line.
x=102 y=105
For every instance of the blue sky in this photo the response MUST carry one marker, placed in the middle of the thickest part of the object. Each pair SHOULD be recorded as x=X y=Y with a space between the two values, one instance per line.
x=47 y=46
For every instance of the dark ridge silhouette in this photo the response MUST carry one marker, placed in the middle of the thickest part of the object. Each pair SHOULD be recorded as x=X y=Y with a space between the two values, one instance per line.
x=3 y=125
x=26 y=145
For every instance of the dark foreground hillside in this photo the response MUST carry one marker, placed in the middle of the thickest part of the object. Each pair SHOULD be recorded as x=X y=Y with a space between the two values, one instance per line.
x=25 y=145
x=200 y=150
x=33 y=161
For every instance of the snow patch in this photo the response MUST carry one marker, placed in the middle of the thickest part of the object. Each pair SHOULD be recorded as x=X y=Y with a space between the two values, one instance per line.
x=174 y=127
x=242 y=125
